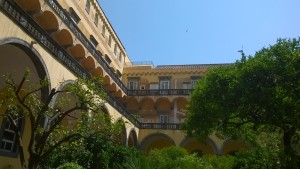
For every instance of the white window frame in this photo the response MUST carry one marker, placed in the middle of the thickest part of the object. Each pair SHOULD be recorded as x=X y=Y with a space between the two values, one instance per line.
x=164 y=118
x=193 y=83
x=5 y=141
x=154 y=86
x=133 y=85
x=164 y=84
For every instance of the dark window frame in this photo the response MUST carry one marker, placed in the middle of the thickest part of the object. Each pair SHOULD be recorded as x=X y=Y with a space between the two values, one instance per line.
x=15 y=152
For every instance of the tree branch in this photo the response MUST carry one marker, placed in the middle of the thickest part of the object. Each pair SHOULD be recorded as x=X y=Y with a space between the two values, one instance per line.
x=63 y=140
x=45 y=135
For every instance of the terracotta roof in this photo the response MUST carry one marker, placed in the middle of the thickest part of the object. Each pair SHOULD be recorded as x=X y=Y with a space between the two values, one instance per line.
x=192 y=66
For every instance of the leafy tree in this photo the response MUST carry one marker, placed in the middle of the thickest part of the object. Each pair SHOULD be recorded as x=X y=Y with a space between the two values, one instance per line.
x=47 y=129
x=94 y=152
x=254 y=95
x=175 y=157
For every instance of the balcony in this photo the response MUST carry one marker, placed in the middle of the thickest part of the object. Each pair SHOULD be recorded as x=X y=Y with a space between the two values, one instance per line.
x=162 y=126
x=159 y=92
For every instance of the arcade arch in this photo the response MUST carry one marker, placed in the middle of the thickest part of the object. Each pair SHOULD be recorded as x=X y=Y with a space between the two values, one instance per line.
x=156 y=140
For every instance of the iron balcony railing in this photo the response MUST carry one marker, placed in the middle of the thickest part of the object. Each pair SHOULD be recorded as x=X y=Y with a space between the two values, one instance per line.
x=159 y=92
x=28 y=25
x=77 y=32
x=164 y=126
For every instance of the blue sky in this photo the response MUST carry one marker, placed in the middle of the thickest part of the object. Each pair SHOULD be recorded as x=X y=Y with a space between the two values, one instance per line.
x=169 y=32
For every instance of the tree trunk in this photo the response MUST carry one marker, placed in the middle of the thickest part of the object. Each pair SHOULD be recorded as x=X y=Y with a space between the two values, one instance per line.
x=33 y=161
x=290 y=160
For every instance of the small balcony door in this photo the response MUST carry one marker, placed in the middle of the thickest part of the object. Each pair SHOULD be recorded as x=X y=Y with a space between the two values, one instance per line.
x=164 y=119
x=164 y=84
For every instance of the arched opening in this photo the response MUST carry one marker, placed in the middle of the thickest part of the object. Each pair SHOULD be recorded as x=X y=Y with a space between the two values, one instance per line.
x=156 y=141
x=132 y=105
x=122 y=136
x=112 y=87
x=118 y=93
x=98 y=72
x=77 y=51
x=48 y=21
x=193 y=145
x=163 y=107
x=179 y=108
x=88 y=63
x=231 y=146
x=65 y=101
x=147 y=111
x=63 y=37
x=17 y=56
x=29 y=6
x=132 y=139
x=106 y=80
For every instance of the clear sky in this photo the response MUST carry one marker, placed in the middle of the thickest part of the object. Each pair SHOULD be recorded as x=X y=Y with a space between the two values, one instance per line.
x=169 y=32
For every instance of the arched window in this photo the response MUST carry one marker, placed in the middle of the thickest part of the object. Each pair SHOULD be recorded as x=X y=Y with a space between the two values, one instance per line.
x=8 y=136
x=87 y=6
x=96 y=19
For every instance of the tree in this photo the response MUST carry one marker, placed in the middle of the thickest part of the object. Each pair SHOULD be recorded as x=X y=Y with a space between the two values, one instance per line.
x=47 y=128
x=255 y=94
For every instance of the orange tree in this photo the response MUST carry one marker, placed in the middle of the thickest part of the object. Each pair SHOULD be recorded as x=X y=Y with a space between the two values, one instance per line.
x=254 y=95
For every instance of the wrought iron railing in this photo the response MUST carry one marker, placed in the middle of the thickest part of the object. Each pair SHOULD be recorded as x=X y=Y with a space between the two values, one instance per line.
x=159 y=92
x=164 y=126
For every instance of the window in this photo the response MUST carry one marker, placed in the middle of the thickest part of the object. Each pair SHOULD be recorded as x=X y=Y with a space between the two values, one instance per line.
x=186 y=86
x=154 y=86
x=193 y=83
x=141 y=120
x=8 y=136
x=120 y=57
x=96 y=19
x=119 y=74
x=94 y=41
x=194 y=80
x=109 y=40
x=115 y=49
x=164 y=119
x=103 y=30
x=164 y=84
x=74 y=17
x=87 y=6
x=142 y=87
x=133 y=85
x=107 y=59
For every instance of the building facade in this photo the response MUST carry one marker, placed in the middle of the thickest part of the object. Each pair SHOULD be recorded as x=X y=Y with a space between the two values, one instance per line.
x=63 y=40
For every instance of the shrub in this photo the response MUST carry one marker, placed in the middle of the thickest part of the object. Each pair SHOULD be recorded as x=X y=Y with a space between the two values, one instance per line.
x=70 y=166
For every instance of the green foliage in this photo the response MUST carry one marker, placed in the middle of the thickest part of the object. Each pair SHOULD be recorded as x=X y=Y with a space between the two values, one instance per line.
x=97 y=151
x=220 y=162
x=257 y=159
x=175 y=157
x=70 y=166
x=255 y=94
